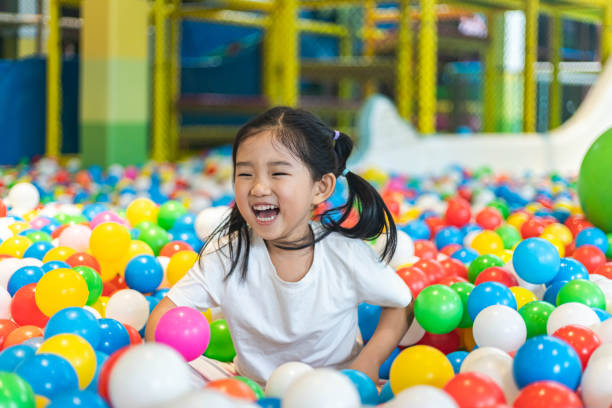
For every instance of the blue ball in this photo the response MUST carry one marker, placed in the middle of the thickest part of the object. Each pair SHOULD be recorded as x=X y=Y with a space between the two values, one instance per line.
x=552 y=291
x=160 y=293
x=184 y=223
x=153 y=301
x=386 y=393
x=189 y=238
x=465 y=255
x=114 y=336
x=602 y=314
x=49 y=266
x=144 y=273
x=385 y=368
x=488 y=294
x=50 y=227
x=448 y=235
x=24 y=276
x=38 y=250
x=456 y=359
x=78 y=399
x=269 y=402
x=48 y=374
x=34 y=342
x=570 y=269
x=100 y=359
x=11 y=357
x=536 y=260
x=368 y=316
x=546 y=358
x=592 y=236
x=365 y=386
x=467 y=228
x=417 y=229
x=75 y=320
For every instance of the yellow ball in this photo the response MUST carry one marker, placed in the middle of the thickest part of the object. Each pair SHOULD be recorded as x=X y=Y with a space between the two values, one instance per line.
x=18 y=226
x=517 y=220
x=136 y=248
x=466 y=339
x=60 y=288
x=487 y=242
x=141 y=209
x=41 y=401
x=505 y=255
x=208 y=315
x=60 y=253
x=100 y=305
x=522 y=296
x=559 y=232
x=179 y=264
x=77 y=351
x=108 y=270
x=109 y=242
x=420 y=365
x=15 y=246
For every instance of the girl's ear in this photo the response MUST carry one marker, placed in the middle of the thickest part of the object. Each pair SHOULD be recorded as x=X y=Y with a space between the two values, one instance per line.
x=324 y=188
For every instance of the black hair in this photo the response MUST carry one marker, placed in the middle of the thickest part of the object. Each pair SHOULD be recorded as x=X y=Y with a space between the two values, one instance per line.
x=310 y=140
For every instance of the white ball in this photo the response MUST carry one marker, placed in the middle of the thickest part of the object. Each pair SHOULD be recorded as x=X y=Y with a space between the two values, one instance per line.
x=93 y=311
x=414 y=334
x=128 y=306
x=322 y=388
x=595 y=277
x=497 y=365
x=604 y=331
x=571 y=313
x=603 y=351
x=606 y=287
x=5 y=304
x=501 y=327
x=8 y=266
x=199 y=399
x=163 y=261
x=422 y=396
x=208 y=219
x=283 y=376
x=404 y=252
x=75 y=237
x=595 y=383
x=31 y=262
x=23 y=197
x=148 y=374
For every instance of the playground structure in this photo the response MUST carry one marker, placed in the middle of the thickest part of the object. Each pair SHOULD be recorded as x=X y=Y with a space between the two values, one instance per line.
x=379 y=51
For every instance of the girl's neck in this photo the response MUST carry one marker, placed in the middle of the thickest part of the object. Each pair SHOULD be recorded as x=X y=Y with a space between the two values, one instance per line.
x=292 y=264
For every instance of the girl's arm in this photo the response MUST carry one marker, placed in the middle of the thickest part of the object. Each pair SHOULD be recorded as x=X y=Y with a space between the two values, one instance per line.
x=392 y=326
x=162 y=307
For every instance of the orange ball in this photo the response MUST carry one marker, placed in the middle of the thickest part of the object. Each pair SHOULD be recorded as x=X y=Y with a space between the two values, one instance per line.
x=21 y=334
x=233 y=388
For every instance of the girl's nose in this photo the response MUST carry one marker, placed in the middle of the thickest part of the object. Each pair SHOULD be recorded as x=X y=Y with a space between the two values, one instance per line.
x=260 y=188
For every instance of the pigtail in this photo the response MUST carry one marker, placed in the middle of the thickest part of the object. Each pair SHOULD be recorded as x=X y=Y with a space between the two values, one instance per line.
x=374 y=216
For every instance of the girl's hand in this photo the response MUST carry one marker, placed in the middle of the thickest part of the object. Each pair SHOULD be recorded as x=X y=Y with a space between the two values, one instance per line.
x=366 y=366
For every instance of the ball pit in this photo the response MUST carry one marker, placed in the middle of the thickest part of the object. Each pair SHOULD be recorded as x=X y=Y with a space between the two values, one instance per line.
x=499 y=267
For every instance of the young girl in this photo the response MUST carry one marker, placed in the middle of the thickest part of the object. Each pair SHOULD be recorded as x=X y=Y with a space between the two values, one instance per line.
x=289 y=287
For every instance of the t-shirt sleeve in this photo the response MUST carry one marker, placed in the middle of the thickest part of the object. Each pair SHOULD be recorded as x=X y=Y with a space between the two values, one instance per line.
x=203 y=286
x=377 y=283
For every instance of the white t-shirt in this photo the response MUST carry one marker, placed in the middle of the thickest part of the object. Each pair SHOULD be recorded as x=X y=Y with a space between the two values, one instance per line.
x=314 y=320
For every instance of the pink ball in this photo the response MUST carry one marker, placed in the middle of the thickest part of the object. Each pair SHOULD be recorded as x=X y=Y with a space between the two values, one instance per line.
x=106 y=216
x=184 y=329
x=75 y=237
x=131 y=172
x=39 y=222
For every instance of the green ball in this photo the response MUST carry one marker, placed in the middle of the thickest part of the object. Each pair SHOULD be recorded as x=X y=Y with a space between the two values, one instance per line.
x=481 y=263
x=509 y=235
x=156 y=237
x=501 y=206
x=93 y=280
x=15 y=392
x=221 y=346
x=463 y=289
x=535 y=314
x=169 y=212
x=609 y=251
x=438 y=309
x=595 y=182
x=259 y=392
x=63 y=218
x=582 y=291
x=38 y=236
x=145 y=225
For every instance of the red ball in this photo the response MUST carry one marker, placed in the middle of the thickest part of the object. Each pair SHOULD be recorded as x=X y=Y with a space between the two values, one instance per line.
x=56 y=232
x=449 y=280
x=533 y=227
x=233 y=388
x=414 y=278
x=24 y=309
x=6 y=327
x=547 y=394
x=577 y=223
x=173 y=247
x=83 y=259
x=458 y=212
x=489 y=218
x=474 y=390
x=590 y=256
x=433 y=269
x=496 y=274
x=134 y=335
x=584 y=341
x=604 y=270
x=446 y=343
x=108 y=288
x=435 y=224
x=454 y=267
x=105 y=372
x=425 y=249
x=450 y=249
x=2 y=208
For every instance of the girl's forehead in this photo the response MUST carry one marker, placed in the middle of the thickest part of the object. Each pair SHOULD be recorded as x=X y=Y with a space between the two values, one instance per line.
x=263 y=144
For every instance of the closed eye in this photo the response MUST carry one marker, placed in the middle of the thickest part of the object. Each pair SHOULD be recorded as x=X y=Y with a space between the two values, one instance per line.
x=280 y=174
x=244 y=175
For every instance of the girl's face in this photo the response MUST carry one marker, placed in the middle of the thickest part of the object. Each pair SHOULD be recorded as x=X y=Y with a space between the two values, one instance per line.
x=275 y=192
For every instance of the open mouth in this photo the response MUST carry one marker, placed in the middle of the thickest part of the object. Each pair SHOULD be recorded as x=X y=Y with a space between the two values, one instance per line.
x=265 y=213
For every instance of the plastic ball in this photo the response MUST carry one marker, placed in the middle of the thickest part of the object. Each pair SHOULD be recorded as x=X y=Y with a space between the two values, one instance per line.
x=489 y=218
x=584 y=341
x=386 y=393
x=569 y=269
x=522 y=296
x=221 y=346
x=154 y=236
x=58 y=254
x=474 y=390
x=321 y=388
x=24 y=276
x=546 y=358
x=233 y=388
x=141 y=209
x=173 y=247
x=208 y=219
x=547 y=394
x=495 y=364
x=448 y=235
x=366 y=388
x=283 y=376
x=93 y=281
x=83 y=259
x=487 y=242
x=438 y=309
x=184 y=329
x=595 y=387
x=109 y=241
x=446 y=343
x=16 y=392
x=582 y=291
x=77 y=399
x=571 y=313
x=144 y=273
x=422 y=396
x=458 y=212
x=179 y=264
x=256 y=388
x=414 y=278
x=463 y=289
x=23 y=197
x=60 y=288
x=590 y=256
x=509 y=235
x=24 y=309
x=501 y=327
x=75 y=320
x=22 y=334
x=15 y=246
x=48 y=374
x=496 y=274
x=128 y=306
x=6 y=327
x=367 y=318
x=536 y=314
x=420 y=365
x=114 y=336
x=536 y=260
x=38 y=250
x=12 y=356
x=481 y=263
x=168 y=213
x=489 y=294
x=385 y=367
x=77 y=351
x=75 y=237
x=456 y=359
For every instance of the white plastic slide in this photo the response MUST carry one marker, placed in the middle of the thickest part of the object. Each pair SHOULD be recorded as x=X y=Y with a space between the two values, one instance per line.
x=389 y=142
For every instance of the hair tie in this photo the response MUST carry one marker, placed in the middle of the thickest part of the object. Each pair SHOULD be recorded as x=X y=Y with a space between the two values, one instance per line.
x=345 y=172
x=336 y=134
